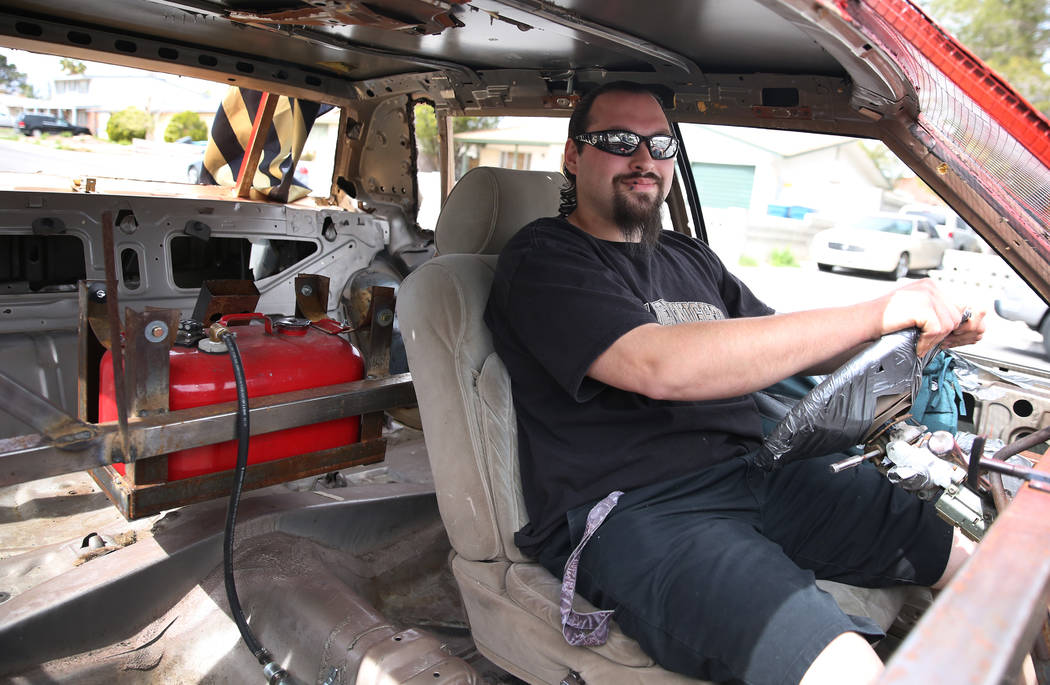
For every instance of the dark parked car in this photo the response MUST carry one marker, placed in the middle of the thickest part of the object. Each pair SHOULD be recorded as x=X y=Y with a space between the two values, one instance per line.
x=35 y=124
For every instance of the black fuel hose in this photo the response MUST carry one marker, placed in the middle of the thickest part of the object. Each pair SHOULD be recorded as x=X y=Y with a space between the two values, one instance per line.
x=274 y=673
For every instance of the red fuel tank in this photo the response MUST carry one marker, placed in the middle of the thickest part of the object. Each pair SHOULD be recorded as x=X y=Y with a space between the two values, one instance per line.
x=283 y=359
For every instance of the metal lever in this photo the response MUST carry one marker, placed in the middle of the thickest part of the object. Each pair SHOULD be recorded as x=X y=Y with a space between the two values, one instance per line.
x=1016 y=470
x=854 y=461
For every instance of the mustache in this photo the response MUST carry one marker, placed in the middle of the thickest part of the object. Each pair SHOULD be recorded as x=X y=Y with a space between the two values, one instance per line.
x=638 y=176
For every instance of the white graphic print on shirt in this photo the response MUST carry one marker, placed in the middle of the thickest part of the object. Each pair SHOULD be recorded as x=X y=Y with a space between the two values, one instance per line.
x=683 y=312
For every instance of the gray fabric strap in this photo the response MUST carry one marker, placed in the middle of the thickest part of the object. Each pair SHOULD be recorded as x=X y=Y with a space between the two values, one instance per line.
x=590 y=629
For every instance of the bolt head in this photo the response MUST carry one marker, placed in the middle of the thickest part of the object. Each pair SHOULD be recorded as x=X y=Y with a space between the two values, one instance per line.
x=306 y=290
x=157 y=331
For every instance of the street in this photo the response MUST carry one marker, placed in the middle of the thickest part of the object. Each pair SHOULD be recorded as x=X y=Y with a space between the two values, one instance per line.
x=791 y=289
x=156 y=162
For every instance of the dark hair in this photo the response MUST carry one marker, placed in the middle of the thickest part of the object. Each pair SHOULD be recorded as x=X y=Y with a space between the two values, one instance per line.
x=580 y=120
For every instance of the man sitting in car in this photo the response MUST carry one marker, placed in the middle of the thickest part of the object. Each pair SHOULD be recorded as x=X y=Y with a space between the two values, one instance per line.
x=633 y=352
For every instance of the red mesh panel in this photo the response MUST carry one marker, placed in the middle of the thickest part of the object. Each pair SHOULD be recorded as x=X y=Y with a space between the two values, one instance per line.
x=980 y=125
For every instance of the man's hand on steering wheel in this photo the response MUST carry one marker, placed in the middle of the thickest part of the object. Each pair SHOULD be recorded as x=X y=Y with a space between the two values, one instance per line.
x=968 y=333
x=922 y=305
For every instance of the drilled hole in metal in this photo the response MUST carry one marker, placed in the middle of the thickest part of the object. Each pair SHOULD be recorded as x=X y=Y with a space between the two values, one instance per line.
x=27 y=29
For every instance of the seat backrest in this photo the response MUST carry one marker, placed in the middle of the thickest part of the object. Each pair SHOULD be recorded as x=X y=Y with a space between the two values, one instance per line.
x=462 y=386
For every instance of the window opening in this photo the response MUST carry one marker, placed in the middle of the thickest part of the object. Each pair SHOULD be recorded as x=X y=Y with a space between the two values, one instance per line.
x=468 y=136
x=159 y=133
x=194 y=261
x=41 y=263
x=129 y=268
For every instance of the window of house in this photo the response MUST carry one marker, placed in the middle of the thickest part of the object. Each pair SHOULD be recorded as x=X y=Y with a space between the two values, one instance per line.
x=515 y=160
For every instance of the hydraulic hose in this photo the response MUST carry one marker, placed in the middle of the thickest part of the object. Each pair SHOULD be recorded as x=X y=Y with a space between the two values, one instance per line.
x=273 y=672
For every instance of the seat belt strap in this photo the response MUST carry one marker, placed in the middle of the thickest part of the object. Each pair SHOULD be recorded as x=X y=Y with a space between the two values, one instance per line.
x=585 y=629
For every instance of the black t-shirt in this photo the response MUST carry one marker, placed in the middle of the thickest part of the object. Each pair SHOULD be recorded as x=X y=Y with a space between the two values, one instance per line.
x=559 y=299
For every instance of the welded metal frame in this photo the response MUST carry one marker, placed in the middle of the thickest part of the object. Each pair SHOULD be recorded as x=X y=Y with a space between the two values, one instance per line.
x=136 y=500
x=985 y=622
x=27 y=457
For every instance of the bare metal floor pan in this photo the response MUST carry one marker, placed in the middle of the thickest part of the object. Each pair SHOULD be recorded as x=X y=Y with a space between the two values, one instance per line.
x=333 y=580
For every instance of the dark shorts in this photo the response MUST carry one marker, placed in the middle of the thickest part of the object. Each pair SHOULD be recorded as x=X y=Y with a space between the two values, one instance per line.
x=713 y=573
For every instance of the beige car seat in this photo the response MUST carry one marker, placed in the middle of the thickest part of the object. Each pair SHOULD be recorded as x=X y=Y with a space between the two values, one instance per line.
x=471 y=435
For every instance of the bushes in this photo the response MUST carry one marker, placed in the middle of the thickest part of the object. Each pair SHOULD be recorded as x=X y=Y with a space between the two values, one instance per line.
x=185 y=124
x=783 y=257
x=128 y=123
x=780 y=256
x=133 y=122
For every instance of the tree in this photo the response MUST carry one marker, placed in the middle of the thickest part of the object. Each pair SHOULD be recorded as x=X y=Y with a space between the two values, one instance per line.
x=72 y=68
x=185 y=124
x=128 y=123
x=427 y=133
x=888 y=164
x=1011 y=36
x=12 y=80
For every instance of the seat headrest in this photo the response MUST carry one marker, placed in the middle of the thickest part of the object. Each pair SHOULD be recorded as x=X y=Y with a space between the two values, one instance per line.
x=488 y=206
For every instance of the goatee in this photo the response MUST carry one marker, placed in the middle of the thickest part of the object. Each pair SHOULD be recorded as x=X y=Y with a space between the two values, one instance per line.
x=638 y=217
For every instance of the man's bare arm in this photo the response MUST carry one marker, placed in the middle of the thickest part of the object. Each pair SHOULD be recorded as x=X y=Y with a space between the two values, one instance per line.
x=963 y=335
x=717 y=359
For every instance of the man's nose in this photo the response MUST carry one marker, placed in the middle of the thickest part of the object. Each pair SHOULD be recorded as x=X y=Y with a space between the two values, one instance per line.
x=641 y=157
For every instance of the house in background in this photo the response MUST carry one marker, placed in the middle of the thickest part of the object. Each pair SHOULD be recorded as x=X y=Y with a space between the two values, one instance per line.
x=782 y=173
x=763 y=189
x=90 y=98
x=533 y=143
x=12 y=105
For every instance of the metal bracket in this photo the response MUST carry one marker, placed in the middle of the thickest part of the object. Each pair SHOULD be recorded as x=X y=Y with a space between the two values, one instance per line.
x=311 y=297
x=964 y=508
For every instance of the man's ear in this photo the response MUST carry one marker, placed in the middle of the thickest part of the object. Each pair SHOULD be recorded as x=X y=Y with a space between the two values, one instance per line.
x=571 y=156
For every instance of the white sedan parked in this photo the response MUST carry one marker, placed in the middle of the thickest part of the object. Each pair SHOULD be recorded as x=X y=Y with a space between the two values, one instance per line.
x=893 y=244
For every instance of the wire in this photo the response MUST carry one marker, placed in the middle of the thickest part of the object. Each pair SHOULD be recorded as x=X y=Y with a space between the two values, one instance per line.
x=273 y=672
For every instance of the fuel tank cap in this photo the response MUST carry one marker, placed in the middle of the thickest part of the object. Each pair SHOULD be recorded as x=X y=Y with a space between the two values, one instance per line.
x=291 y=325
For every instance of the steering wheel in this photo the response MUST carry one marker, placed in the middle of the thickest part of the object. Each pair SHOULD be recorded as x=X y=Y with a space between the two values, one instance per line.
x=841 y=411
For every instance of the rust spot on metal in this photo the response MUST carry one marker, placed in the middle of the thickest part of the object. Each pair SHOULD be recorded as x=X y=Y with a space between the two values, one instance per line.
x=218 y=298
x=763 y=112
x=311 y=296
x=416 y=16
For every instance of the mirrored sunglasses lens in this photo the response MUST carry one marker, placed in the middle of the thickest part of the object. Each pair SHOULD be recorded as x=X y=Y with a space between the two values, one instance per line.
x=662 y=147
x=621 y=142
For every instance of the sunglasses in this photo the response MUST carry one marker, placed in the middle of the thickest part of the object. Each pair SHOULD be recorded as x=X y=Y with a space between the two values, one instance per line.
x=624 y=143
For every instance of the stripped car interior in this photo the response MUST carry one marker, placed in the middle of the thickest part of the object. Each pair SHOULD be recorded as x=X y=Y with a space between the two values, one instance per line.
x=388 y=556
